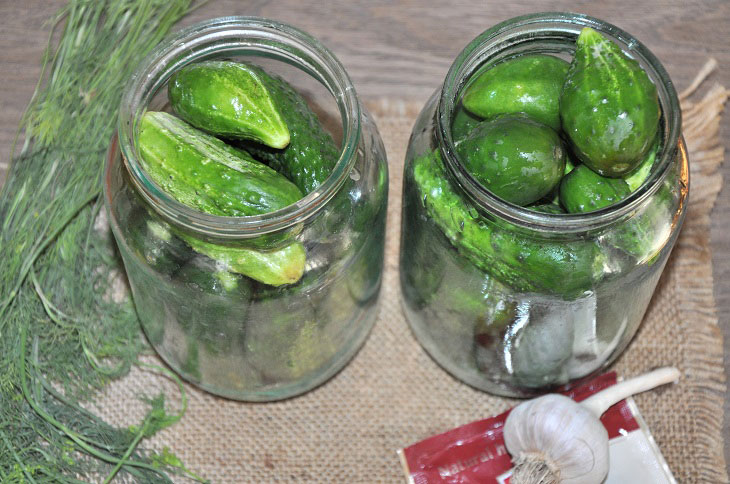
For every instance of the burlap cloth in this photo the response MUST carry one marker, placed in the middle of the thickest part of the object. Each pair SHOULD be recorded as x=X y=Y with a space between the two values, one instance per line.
x=392 y=394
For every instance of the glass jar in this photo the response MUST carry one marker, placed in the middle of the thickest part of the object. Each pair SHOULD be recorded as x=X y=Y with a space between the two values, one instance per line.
x=222 y=331
x=514 y=301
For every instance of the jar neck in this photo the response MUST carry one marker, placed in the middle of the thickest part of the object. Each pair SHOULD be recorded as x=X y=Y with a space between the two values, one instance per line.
x=227 y=37
x=553 y=33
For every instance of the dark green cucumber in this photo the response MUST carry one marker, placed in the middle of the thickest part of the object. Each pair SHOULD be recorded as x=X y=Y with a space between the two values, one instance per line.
x=462 y=123
x=608 y=107
x=311 y=154
x=583 y=190
x=422 y=265
x=285 y=340
x=204 y=173
x=227 y=99
x=525 y=264
x=527 y=84
x=514 y=157
x=222 y=299
x=150 y=240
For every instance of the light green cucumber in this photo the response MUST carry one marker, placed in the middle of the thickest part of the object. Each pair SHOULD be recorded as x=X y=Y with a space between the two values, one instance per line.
x=227 y=99
x=276 y=267
x=204 y=173
x=527 y=84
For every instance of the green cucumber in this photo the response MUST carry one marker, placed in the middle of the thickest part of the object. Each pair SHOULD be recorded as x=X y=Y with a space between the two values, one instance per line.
x=462 y=123
x=285 y=340
x=204 y=173
x=311 y=154
x=227 y=99
x=152 y=242
x=637 y=177
x=552 y=208
x=583 y=190
x=218 y=317
x=608 y=106
x=284 y=265
x=525 y=264
x=514 y=157
x=527 y=84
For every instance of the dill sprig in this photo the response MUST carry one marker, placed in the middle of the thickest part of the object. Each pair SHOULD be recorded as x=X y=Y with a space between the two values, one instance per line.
x=64 y=331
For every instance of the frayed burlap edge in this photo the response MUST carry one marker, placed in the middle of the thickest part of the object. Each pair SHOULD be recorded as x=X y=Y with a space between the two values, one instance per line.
x=701 y=129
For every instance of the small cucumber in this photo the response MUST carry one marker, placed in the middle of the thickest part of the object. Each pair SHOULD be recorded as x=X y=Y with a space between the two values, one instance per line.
x=203 y=172
x=276 y=267
x=527 y=84
x=609 y=106
x=227 y=99
x=583 y=190
x=311 y=154
x=514 y=157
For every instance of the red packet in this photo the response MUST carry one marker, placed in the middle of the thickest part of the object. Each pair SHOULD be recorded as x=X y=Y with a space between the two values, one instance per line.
x=475 y=453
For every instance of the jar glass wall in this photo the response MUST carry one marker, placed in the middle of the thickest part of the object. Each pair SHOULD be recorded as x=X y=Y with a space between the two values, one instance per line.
x=225 y=332
x=511 y=300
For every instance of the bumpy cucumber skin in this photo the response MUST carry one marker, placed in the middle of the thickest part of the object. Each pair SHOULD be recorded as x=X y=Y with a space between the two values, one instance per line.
x=527 y=84
x=204 y=173
x=566 y=269
x=514 y=157
x=227 y=99
x=583 y=190
x=311 y=154
x=608 y=107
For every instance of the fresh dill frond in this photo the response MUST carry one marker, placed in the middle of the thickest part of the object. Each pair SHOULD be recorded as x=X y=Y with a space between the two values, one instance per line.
x=64 y=334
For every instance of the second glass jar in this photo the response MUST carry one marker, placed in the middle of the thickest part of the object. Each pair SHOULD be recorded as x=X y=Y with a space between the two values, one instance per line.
x=514 y=301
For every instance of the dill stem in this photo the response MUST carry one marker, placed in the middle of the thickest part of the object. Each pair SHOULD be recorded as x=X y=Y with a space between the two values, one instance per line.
x=140 y=435
x=16 y=457
x=28 y=263
x=50 y=419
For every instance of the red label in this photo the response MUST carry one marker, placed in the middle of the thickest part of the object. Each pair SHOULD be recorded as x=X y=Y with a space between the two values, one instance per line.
x=475 y=453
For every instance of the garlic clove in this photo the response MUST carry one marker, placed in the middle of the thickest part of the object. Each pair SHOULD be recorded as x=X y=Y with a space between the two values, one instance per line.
x=555 y=439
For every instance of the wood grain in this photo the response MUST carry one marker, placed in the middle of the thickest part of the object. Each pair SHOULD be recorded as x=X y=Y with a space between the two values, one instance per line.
x=402 y=49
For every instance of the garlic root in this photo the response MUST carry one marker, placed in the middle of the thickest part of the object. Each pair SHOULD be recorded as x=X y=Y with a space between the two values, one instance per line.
x=554 y=439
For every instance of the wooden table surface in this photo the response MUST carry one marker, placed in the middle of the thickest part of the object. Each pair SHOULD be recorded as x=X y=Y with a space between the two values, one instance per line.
x=403 y=48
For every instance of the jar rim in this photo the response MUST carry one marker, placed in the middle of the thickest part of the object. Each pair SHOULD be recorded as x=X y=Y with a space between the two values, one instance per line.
x=241 y=33
x=550 y=24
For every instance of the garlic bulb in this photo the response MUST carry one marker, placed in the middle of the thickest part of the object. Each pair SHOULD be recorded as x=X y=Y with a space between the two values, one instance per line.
x=554 y=439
